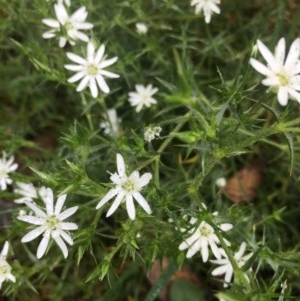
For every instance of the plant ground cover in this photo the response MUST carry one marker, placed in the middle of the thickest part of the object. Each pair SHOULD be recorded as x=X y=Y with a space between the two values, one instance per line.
x=174 y=170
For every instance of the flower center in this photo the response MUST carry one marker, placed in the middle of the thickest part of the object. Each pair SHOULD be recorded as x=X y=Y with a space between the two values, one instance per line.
x=4 y=268
x=52 y=222
x=128 y=186
x=92 y=69
x=68 y=25
x=205 y=231
x=282 y=79
x=145 y=97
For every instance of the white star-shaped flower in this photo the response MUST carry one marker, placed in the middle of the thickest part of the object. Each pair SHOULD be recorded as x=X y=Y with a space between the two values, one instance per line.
x=27 y=192
x=225 y=266
x=142 y=96
x=282 y=74
x=67 y=27
x=90 y=71
x=141 y=28
x=202 y=238
x=51 y=223
x=208 y=6
x=151 y=132
x=127 y=189
x=5 y=268
x=7 y=165
x=111 y=125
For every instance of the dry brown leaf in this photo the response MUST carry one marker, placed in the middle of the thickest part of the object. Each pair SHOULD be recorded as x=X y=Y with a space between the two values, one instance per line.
x=185 y=274
x=244 y=184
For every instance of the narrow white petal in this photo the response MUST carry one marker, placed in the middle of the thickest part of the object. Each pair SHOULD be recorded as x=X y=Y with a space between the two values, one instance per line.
x=84 y=82
x=79 y=15
x=215 y=249
x=66 y=237
x=90 y=52
x=62 y=42
x=59 y=204
x=84 y=26
x=280 y=51
x=282 y=96
x=99 y=54
x=11 y=277
x=93 y=87
x=76 y=58
x=107 y=63
x=32 y=219
x=141 y=200
x=51 y=23
x=183 y=246
x=220 y=270
x=259 y=67
x=68 y=212
x=69 y=226
x=109 y=74
x=38 y=212
x=226 y=227
x=43 y=245
x=241 y=251
x=77 y=77
x=102 y=84
x=33 y=234
x=5 y=249
x=107 y=197
x=204 y=251
x=61 y=245
x=193 y=249
x=266 y=53
x=115 y=204
x=130 y=207
x=145 y=179
x=61 y=13
x=75 y=68
x=48 y=35
x=48 y=200
x=293 y=55
x=228 y=276
x=294 y=94
x=189 y=241
x=120 y=165
x=79 y=36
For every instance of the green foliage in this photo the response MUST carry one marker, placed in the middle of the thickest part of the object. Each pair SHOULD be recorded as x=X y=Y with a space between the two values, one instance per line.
x=216 y=119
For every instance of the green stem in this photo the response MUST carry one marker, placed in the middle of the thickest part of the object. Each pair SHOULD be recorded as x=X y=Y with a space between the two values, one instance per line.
x=238 y=273
x=220 y=153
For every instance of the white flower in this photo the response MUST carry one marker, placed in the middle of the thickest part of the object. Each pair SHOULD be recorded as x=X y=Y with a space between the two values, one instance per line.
x=91 y=70
x=71 y=25
x=5 y=268
x=208 y=6
x=202 y=238
x=111 y=126
x=27 y=191
x=127 y=188
x=221 y=182
x=282 y=74
x=150 y=133
x=225 y=266
x=7 y=165
x=142 y=96
x=141 y=28
x=50 y=223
